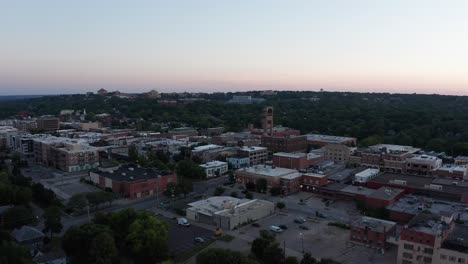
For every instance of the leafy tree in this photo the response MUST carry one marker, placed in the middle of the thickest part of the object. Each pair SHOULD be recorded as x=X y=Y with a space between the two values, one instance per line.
x=18 y=216
x=248 y=195
x=76 y=242
x=266 y=250
x=261 y=185
x=308 y=259
x=133 y=153
x=280 y=205
x=53 y=220
x=77 y=202
x=190 y=170
x=184 y=186
x=171 y=188
x=102 y=249
x=43 y=196
x=231 y=177
x=13 y=253
x=291 y=260
x=219 y=191
x=234 y=194
x=275 y=191
x=97 y=198
x=220 y=255
x=147 y=239
x=250 y=186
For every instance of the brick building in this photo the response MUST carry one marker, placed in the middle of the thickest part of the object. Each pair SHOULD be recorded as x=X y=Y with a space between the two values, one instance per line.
x=285 y=144
x=296 y=160
x=132 y=181
x=384 y=197
x=372 y=232
x=452 y=171
x=48 y=123
x=422 y=164
x=288 y=180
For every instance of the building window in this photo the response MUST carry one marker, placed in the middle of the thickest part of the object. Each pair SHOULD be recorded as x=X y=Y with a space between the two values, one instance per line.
x=461 y=260
x=442 y=256
x=452 y=259
x=407 y=255
x=428 y=251
x=427 y=260
x=408 y=246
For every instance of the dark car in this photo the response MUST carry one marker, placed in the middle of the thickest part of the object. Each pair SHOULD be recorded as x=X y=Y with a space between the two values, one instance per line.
x=303 y=227
x=299 y=220
x=255 y=224
x=284 y=227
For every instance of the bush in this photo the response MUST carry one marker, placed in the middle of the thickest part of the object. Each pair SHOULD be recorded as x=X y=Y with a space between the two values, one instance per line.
x=248 y=195
x=234 y=194
x=280 y=205
x=219 y=191
x=275 y=191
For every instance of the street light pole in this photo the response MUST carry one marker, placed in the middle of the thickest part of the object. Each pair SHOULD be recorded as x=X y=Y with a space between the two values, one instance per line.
x=302 y=240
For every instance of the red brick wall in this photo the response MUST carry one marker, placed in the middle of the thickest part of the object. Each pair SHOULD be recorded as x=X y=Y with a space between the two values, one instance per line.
x=417 y=237
x=400 y=217
x=312 y=181
x=367 y=237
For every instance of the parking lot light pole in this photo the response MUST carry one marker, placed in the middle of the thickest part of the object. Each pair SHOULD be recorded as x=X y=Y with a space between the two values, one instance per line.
x=302 y=240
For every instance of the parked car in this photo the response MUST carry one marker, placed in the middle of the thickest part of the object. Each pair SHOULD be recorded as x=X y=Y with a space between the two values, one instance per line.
x=199 y=240
x=183 y=222
x=284 y=227
x=255 y=224
x=299 y=220
x=276 y=229
x=303 y=227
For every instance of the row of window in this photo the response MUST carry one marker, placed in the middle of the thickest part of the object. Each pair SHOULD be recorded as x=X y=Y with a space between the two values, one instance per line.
x=429 y=251
x=418 y=258
x=452 y=259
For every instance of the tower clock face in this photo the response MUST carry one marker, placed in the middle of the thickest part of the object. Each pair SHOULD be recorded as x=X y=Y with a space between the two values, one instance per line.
x=269 y=111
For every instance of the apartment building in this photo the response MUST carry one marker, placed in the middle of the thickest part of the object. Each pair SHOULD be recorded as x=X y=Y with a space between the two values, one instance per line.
x=256 y=155
x=65 y=154
x=48 y=123
x=285 y=144
x=338 y=152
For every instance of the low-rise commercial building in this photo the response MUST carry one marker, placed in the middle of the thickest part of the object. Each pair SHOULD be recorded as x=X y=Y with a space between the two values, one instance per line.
x=48 y=123
x=372 y=232
x=131 y=181
x=311 y=180
x=285 y=144
x=288 y=180
x=461 y=160
x=422 y=164
x=318 y=140
x=238 y=162
x=452 y=171
x=363 y=177
x=338 y=152
x=296 y=161
x=215 y=168
x=228 y=212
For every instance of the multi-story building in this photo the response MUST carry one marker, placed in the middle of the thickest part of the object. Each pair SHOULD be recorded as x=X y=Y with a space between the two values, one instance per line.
x=257 y=155
x=237 y=162
x=48 y=123
x=6 y=134
x=65 y=154
x=132 y=181
x=338 y=152
x=296 y=160
x=422 y=164
x=287 y=179
x=421 y=241
x=461 y=160
x=285 y=144
x=26 y=124
x=363 y=177
x=215 y=168
x=318 y=140
x=372 y=232
x=391 y=158
x=452 y=171
x=311 y=180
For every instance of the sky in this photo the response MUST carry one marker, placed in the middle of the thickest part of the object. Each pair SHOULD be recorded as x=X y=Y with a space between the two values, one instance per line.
x=396 y=46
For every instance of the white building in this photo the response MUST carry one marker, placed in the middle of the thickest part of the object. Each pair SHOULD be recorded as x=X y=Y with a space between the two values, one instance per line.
x=238 y=162
x=215 y=168
x=366 y=175
x=228 y=212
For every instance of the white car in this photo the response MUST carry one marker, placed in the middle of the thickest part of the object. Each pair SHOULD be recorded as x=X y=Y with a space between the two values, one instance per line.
x=276 y=229
x=183 y=222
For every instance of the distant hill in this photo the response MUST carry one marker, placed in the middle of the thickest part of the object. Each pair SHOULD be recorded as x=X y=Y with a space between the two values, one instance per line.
x=18 y=97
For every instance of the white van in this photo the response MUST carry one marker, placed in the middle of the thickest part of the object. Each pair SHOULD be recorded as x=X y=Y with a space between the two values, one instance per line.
x=276 y=229
x=183 y=222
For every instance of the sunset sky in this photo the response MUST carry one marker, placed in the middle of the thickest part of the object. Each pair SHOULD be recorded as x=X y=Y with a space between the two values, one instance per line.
x=409 y=46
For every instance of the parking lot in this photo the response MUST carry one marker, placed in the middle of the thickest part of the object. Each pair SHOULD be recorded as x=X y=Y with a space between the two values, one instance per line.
x=320 y=240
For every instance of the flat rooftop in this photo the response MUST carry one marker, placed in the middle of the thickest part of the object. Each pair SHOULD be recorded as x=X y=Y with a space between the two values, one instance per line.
x=290 y=155
x=215 y=204
x=457 y=240
x=253 y=148
x=131 y=172
x=357 y=190
x=214 y=163
x=428 y=223
x=341 y=175
x=206 y=147
x=394 y=148
x=374 y=224
x=461 y=158
x=413 y=204
x=269 y=171
x=316 y=175
x=453 y=168
x=328 y=138
x=386 y=193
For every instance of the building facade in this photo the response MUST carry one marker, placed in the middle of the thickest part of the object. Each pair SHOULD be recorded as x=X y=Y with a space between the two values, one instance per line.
x=215 y=168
